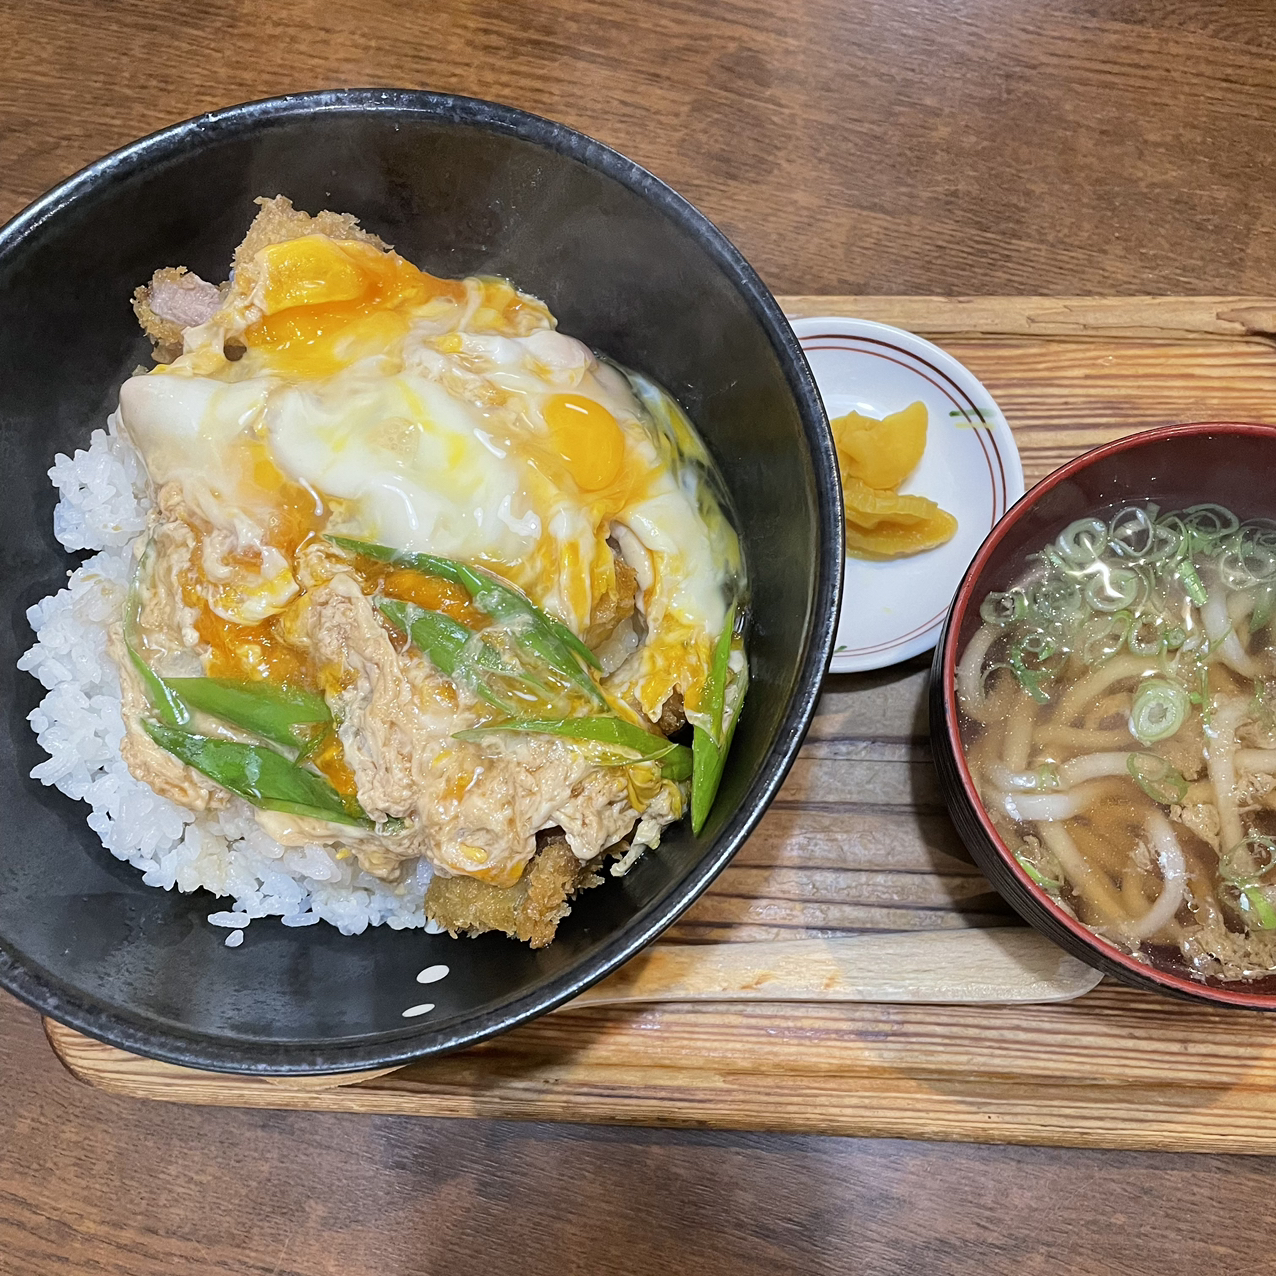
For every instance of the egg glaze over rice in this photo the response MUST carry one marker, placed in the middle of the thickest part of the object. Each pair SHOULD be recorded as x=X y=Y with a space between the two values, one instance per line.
x=416 y=575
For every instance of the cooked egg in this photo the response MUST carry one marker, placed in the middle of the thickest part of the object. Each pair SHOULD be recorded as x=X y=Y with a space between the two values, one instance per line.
x=376 y=401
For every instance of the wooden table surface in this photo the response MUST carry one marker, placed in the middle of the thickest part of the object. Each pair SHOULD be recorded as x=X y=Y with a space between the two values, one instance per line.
x=848 y=146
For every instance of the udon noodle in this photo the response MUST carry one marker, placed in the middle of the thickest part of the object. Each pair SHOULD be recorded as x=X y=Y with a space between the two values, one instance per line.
x=1118 y=709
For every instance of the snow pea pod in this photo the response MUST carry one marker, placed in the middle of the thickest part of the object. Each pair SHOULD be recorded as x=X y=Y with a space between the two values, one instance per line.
x=170 y=710
x=709 y=748
x=531 y=628
x=270 y=711
x=674 y=759
x=259 y=775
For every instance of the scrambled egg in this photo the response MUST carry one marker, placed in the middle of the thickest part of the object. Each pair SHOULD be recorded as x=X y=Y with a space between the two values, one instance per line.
x=338 y=388
x=332 y=389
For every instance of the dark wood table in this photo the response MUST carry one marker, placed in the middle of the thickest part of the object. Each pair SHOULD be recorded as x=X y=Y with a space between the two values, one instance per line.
x=848 y=146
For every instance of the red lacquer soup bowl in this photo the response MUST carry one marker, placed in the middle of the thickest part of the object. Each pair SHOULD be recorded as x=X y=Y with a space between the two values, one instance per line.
x=1227 y=464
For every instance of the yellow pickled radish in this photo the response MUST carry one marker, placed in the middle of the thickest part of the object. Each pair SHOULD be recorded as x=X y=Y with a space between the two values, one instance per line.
x=867 y=507
x=881 y=453
x=897 y=540
x=882 y=523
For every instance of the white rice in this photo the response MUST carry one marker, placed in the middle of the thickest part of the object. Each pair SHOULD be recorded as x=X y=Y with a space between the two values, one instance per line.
x=104 y=506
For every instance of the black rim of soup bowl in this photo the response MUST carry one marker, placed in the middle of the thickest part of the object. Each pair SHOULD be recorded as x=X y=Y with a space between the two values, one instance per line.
x=174 y=1042
x=973 y=824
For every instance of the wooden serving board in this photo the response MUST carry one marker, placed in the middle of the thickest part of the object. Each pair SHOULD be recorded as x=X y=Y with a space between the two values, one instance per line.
x=858 y=842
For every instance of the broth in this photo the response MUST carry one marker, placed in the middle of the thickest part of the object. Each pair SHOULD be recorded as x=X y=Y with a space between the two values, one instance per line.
x=1118 y=714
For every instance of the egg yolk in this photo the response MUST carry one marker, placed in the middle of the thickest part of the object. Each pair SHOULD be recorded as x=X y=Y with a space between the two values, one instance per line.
x=296 y=512
x=328 y=302
x=431 y=592
x=504 y=310
x=330 y=760
x=248 y=651
x=588 y=439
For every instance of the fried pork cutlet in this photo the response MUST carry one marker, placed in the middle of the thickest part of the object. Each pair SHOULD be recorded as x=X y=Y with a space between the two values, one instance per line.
x=614 y=606
x=673 y=716
x=175 y=299
x=529 y=910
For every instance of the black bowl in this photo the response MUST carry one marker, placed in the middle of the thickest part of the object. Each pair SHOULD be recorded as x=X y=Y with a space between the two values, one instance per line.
x=460 y=187
x=1176 y=466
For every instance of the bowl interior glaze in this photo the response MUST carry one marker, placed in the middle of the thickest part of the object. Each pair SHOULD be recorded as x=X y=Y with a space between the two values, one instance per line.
x=1176 y=466
x=459 y=187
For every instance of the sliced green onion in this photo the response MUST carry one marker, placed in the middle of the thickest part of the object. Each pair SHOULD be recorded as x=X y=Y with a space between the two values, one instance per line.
x=1210 y=521
x=457 y=652
x=1040 y=645
x=440 y=637
x=1186 y=572
x=1004 y=609
x=531 y=628
x=1030 y=661
x=709 y=746
x=1103 y=636
x=1112 y=588
x=1055 y=600
x=1259 y=709
x=1157 y=778
x=447 y=642
x=1047 y=776
x=1264 y=606
x=1255 y=901
x=1132 y=532
x=1202 y=697
x=1030 y=680
x=1158 y=711
x=1046 y=883
x=644 y=746
x=315 y=742
x=168 y=708
x=1237 y=867
x=1148 y=636
x=1245 y=563
x=1168 y=541
x=1081 y=543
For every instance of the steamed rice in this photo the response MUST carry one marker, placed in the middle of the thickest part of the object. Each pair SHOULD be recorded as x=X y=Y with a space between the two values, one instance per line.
x=104 y=506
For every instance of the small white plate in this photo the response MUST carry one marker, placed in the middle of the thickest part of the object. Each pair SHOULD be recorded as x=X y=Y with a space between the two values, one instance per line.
x=894 y=610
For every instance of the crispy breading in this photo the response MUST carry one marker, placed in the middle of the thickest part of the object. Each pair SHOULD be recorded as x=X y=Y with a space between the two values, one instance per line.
x=278 y=221
x=175 y=299
x=616 y=605
x=529 y=910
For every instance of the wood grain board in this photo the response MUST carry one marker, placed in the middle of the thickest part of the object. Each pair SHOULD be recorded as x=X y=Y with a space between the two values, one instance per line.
x=858 y=841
